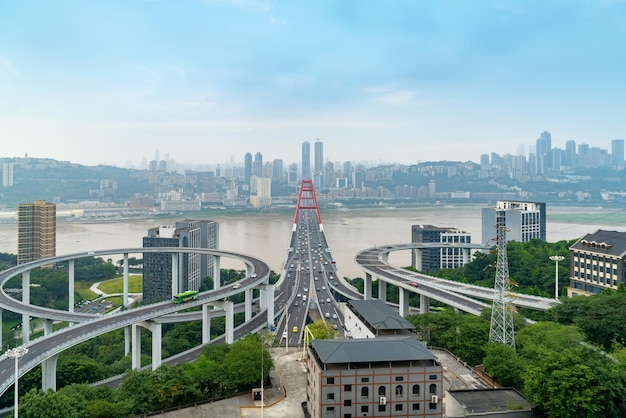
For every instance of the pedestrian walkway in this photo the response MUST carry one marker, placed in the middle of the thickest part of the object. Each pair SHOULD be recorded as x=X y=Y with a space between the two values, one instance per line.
x=283 y=398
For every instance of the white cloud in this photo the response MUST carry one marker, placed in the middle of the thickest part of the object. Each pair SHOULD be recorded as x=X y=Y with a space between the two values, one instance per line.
x=277 y=21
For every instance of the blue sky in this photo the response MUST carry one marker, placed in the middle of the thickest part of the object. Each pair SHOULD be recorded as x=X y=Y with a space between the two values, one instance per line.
x=392 y=80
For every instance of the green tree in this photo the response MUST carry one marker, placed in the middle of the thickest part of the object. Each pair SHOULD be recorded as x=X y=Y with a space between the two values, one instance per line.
x=322 y=330
x=50 y=404
x=503 y=364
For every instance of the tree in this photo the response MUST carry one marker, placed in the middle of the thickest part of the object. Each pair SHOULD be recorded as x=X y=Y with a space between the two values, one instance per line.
x=322 y=330
x=503 y=364
x=37 y=403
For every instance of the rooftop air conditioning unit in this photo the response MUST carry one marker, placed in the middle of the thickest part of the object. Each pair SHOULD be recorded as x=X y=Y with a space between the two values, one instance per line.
x=383 y=400
x=434 y=399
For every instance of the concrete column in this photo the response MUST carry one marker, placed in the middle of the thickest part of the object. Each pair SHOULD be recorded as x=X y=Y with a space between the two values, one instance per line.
x=125 y=291
x=424 y=304
x=206 y=324
x=126 y=340
x=367 y=287
x=71 y=287
x=382 y=290
x=403 y=309
x=217 y=276
x=47 y=327
x=175 y=287
x=49 y=373
x=229 y=319
x=248 y=304
x=267 y=299
x=418 y=259
x=136 y=347
x=466 y=255
x=25 y=299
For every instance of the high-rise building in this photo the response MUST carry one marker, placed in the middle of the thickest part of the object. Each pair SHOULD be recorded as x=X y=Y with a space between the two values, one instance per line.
x=544 y=152
x=435 y=259
x=263 y=193
x=7 y=174
x=192 y=267
x=524 y=221
x=257 y=165
x=247 y=168
x=306 y=161
x=318 y=168
x=278 y=171
x=36 y=231
x=617 y=153
x=570 y=154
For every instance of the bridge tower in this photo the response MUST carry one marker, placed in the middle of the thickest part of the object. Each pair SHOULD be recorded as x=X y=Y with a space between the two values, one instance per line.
x=307 y=200
x=502 y=330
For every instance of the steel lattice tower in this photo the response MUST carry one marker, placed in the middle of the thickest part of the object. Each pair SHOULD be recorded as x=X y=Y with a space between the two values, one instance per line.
x=502 y=330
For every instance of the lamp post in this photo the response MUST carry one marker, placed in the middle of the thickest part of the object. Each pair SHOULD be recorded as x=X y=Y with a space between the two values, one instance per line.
x=16 y=353
x=556 y=259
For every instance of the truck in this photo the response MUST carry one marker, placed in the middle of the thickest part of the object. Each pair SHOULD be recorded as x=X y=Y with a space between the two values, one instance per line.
x=185 y=296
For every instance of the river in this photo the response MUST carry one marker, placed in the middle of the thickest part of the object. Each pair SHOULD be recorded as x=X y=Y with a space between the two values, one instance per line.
x=267 y=235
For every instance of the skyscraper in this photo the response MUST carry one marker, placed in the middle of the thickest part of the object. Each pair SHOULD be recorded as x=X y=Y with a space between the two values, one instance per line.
x=257 y=165
x=7 y=174
x=37 y=231
x=617 y=153
x=318 y=168
x=247 y=169
x=306 y=161
x=544 y=152
x=278 y=171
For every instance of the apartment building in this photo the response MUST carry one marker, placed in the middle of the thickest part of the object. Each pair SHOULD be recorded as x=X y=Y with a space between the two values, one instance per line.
x=36 y=231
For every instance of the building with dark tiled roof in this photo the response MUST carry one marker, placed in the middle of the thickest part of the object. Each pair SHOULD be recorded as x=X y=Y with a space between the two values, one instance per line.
x=374 y=318
x=377 y=377
x=597 y=262
x=495 y=403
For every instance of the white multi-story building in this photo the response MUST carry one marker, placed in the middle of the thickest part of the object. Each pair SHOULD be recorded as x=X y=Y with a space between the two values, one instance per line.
x=434 y=259
x=524 y=221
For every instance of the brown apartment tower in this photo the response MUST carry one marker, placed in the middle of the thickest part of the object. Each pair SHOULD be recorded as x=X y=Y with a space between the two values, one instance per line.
x=36 y=231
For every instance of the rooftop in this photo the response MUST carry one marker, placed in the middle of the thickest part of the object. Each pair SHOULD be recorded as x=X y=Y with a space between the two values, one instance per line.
x=479 y=401
x=605 y=242
x=371 y=350
x=379 y=315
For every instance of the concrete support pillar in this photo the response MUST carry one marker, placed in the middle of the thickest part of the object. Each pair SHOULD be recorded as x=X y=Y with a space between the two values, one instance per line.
x=385 y=258
x=382 y=290
x=229 y=319
x=175 y=287
x=155 y=328
x=206 y=324
x=403 y=309
x=125 y=291
x=466 y=255
x=418 y=259
x=248 y=302
x=367 y=287
x=217 y=275
x=49 y=373
x=25 y=299
x=424 y=304
x=267 y=302
x=71 y=301
x=126 y=340
x=47 y=327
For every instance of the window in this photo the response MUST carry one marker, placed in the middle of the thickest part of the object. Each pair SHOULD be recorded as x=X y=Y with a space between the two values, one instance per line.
x=432 y=405
x=347 y=415
x=382 y=408
x=365 y=408
x=347 y=388
x=365 y=379
x=399 y=407
x=365 y=392
x=399 y=390
x=416 y=389
x=330 y=409
x=432 y=389
x=347 y=402
x=330 y=380
x=416 y=407
x=399 y=378
x=433 y=377
x=381 y=391
x=330 y=396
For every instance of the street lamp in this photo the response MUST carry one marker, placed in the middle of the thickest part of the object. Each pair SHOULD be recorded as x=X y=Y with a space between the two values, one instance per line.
x=556 y=259
x=16 y=353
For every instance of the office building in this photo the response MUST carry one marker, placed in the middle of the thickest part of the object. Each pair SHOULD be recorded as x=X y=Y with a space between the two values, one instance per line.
x=597 y=262
x=278 y=171
x=247 y=169
x=36 y=231
x=375 y=377
x=192 y=267
x=524 y=221
x=435 y=259
x=257 y=165
x=318 y=167
x=544 y=152
x=306 y=161
x=617 y=153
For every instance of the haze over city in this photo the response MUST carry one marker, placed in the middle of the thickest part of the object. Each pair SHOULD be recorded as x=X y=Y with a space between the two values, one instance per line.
x=110 y=82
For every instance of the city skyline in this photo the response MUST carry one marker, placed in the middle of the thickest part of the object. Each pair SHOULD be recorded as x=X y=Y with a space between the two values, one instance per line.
x=207 y=80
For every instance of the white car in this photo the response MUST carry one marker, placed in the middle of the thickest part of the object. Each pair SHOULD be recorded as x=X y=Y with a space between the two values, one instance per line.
x=236 y=285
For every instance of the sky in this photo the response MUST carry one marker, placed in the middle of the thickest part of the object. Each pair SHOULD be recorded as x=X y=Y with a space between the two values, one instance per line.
x=205 y=81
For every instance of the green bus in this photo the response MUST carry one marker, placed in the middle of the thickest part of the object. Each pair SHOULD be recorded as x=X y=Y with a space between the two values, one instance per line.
x=185 y=296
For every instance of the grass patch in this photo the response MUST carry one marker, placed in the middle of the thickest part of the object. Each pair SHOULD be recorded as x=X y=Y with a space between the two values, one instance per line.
x=117 y=285
x=82 y=288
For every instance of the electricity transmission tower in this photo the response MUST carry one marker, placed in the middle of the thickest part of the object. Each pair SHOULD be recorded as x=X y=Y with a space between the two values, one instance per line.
x=502 y=309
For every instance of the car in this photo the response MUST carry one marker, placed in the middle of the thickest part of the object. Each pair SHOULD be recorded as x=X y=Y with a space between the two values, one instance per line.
x=236 y=285
x=299 y=295
x=317 y=289
x=334 y=316
x=327 y=314
x=284 y=334
x=413 y=284
x=327 y=300
x=295 y=329
x=253 y=275
x=323 y=287
x=306 y=289
x=296 y=303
